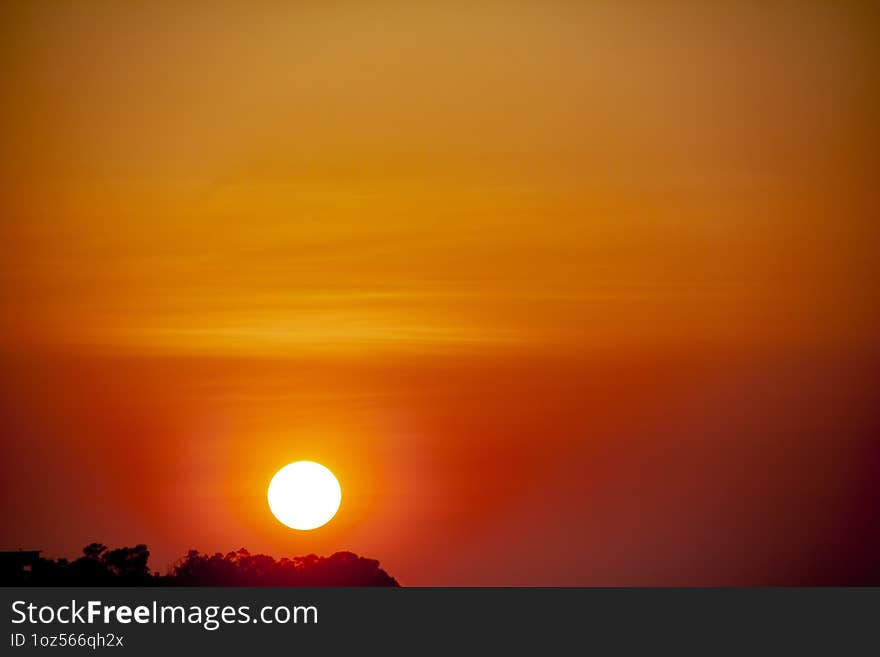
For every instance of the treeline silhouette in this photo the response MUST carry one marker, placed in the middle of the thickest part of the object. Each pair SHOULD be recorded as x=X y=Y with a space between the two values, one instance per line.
x=127 y=566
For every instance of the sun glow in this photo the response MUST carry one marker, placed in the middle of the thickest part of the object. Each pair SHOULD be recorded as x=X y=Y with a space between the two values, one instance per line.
x=304 y=495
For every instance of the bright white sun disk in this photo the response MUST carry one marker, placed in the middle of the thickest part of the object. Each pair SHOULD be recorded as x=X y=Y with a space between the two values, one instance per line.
x=304 y=495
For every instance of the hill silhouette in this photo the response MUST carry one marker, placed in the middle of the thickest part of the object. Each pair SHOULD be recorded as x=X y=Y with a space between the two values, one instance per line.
x=127 y=566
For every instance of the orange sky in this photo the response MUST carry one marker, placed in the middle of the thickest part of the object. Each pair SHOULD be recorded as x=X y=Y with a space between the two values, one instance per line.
x=589 y=280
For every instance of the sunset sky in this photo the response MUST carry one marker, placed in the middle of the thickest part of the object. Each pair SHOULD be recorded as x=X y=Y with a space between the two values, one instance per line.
x=565 y=293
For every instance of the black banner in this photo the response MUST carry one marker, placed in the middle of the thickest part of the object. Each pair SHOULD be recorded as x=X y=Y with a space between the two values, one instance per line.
x=147 y=621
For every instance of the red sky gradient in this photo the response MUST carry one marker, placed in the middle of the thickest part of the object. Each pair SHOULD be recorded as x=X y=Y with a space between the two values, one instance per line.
x=564 y=293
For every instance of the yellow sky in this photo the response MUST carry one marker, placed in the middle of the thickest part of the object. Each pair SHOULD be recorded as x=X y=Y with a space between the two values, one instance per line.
x=265 y=179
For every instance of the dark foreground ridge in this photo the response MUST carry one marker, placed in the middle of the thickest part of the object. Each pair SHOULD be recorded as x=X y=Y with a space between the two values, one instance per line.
x=127 y=566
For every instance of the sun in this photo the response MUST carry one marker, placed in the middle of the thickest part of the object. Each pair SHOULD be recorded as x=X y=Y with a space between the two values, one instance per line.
x=304 y=495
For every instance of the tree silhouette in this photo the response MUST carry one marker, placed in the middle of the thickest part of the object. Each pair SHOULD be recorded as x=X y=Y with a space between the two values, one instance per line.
x=244 y=569
x=128 y=566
